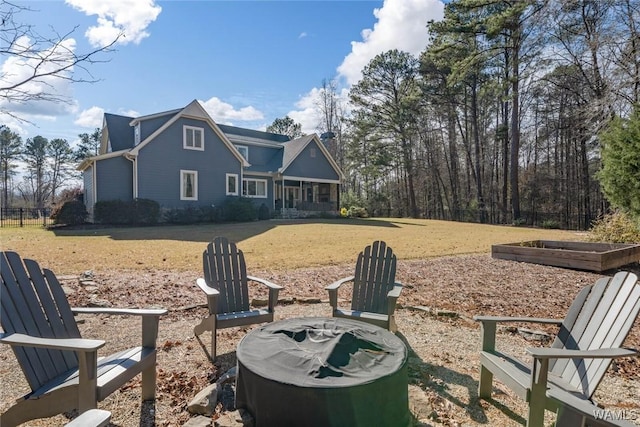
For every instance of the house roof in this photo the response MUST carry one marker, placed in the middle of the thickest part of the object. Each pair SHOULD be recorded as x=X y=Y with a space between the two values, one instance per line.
x=251 y=134
x=134 y=121
x=120 y=132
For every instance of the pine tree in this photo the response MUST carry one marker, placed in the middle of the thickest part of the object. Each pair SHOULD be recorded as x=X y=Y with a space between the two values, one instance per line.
x=620 y=173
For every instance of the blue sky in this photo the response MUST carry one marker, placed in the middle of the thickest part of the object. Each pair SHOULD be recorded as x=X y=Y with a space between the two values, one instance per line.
x=247 y=61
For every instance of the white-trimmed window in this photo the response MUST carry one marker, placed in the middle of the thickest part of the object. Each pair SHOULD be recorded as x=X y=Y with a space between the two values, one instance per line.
x=232 y=184
x=244 y=151
x=254 y=187
x=188 y=185
x=193 y=138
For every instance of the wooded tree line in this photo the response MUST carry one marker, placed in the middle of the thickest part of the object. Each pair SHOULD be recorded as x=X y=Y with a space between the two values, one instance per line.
x=48 y=166
x=499 y=118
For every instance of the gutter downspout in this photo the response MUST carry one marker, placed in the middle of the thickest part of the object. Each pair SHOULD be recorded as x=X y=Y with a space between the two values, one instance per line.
x=94 y=187
x=133 y=158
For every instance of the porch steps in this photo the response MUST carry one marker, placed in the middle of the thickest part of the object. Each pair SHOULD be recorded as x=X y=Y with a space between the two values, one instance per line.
x=290 y=213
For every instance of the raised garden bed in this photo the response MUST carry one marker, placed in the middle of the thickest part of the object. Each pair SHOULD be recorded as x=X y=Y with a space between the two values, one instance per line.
x=578 y=255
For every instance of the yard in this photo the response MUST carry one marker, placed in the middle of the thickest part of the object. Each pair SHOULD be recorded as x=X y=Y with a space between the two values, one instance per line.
x=445 y=266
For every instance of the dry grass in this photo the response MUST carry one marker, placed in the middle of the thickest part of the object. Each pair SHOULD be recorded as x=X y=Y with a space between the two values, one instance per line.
x=267 y=244
x=157 y=266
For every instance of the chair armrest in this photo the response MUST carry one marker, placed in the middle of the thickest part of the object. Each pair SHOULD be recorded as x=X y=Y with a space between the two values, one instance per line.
x=600 y=353
x=488 y=327
x=121 y=311
x=392 y=297
x=150 y=320
x=333 y=290
x=265 y=282
x=395 y=291
x=337 y=284
x=202 y=284
x=91 y=418
x=211 y=293
x=507 y=319
x=72 y=344
x=273 y=290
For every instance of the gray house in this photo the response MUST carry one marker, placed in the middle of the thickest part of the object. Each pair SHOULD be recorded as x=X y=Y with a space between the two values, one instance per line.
x=183 y=158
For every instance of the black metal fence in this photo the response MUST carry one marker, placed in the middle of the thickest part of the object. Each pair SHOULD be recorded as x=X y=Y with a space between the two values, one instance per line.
x=25 y=217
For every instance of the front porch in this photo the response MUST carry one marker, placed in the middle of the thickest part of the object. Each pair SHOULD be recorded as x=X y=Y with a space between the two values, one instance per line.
x=300 y=199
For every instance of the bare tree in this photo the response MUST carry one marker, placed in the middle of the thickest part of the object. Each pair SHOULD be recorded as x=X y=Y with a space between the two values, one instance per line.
x=44 y=61
x=332 y=108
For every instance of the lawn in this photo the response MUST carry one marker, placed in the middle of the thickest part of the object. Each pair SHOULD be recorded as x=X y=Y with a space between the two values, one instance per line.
x=271 y=244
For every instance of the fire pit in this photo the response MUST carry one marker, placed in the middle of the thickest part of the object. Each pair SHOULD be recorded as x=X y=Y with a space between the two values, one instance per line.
x=323 y=372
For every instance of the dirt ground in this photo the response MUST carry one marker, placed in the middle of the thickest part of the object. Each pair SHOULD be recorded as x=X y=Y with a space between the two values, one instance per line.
x=434 y=318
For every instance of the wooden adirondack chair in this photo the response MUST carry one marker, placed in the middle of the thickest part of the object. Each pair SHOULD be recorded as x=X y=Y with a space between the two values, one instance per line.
x=590 y=336
x=62 y=369
x=576 y=412
x=375 y=290
x=225 y=283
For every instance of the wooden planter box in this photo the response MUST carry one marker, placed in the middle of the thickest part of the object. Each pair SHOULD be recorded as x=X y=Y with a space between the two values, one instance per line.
x=578 y=255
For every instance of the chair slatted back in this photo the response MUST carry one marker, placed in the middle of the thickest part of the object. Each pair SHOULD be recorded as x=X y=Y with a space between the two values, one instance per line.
x=226 y=271
x=601 y=316
x=374 y=277
x=33 y=303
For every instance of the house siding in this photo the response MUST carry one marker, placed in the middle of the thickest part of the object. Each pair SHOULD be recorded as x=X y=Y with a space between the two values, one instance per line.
x=115 y=176
x=259 y=155
x=164 y=157
x=149 y=126
x=317 y=167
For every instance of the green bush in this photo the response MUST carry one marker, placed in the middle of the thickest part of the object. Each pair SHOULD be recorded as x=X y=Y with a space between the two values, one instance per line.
x=358 y=212
x=263 y=212
x=239 y=209
x=616 y=227
x=188 y=215
x=70 y=213
x=519 y=222
x=112 y=212
x=550 y=223
x=132 y=212
x=146 y=212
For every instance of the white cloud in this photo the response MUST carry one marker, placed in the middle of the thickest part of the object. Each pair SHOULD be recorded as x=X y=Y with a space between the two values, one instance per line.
x=401 y=25
x=223 y=112
x=90 y=118
x=302 y=35
x=129 y=17
x=128 y=113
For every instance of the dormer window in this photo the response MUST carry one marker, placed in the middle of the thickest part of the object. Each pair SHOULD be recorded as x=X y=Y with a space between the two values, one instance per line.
x=244 y=151
x=193 y=138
